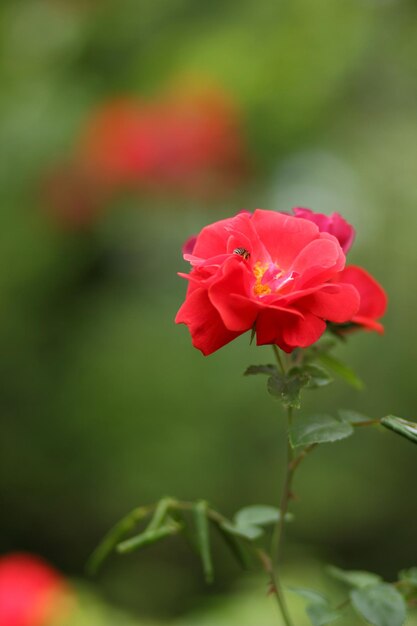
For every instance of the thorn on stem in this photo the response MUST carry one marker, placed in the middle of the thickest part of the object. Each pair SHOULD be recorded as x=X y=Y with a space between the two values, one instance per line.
x=272 y=590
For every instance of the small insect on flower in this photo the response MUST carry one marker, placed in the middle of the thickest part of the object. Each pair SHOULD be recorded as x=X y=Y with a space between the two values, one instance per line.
x=242 y=252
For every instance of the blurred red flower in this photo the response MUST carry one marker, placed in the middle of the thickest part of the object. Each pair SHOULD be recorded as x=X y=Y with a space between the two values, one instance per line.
x=269 y=271
x=31 y=592
x=188 y=143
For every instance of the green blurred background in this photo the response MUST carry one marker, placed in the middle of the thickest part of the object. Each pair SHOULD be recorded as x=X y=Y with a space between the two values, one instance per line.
x=104 y=403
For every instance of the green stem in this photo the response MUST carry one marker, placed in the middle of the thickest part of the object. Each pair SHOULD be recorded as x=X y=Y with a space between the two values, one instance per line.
x=276 y=588
x=285 y=499
x=278 y=358
x=279 y=528
x=375 y=422
x=291 y=465
x=116 y=534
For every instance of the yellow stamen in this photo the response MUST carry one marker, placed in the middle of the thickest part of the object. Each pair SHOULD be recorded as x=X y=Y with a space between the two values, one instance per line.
x=259 y=270
x=261 y=290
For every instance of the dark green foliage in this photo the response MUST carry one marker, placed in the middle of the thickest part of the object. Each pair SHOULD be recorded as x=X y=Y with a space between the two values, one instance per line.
x=148 y=537
x=270 y=370
x=248 y=522
x=287 y=387
x=354 y=578
x=322 y=613
x=401 y=427
x=115 y=535
x=380 y=605
x=353 y=417
x=304 y=373
x=259 y=515
x=409 y=576
x=200 y=511
x=192 y=519
x=318 y=609
x=318 y=377
x=315 y=429
x=342 y=370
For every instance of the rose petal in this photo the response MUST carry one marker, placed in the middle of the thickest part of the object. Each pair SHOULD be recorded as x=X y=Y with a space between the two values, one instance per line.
x=333 y=224
x=318 y=261
x=373 y=297
x=335 y=303
x=204 y=323
x=284 y=236
x=302 y=332
x=270 y=326
x=237 y=311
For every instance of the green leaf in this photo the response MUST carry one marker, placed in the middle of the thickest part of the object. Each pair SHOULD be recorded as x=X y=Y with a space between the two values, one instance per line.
x=318 y=429
x=323 y=346
x=353 y=417
x=409 y=576
x=401 y=427
x=354 y=578
x=270 y=370
x=235 y=546
x=116 y=534
x=340 y=330
x=341 y=369
x=257 y=515
x=318 y=608
x=321 y=614
x=288 y=387
x=380 y=605
x=149 y=537
x=203 y=538
x=188 y=530
x=160 y=514
x=247 y=531
x=314 y=597
x=318 y=376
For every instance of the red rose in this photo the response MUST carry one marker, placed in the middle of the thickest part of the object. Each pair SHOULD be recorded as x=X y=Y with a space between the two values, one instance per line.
x=185 y=143
x=31 y=592
x=334 y=224
x=373 y=299
x=188 y=245
x=269 y=271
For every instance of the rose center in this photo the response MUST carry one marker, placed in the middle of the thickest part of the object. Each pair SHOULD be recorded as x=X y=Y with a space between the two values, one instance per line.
x=269 y=278
x=261 y=288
